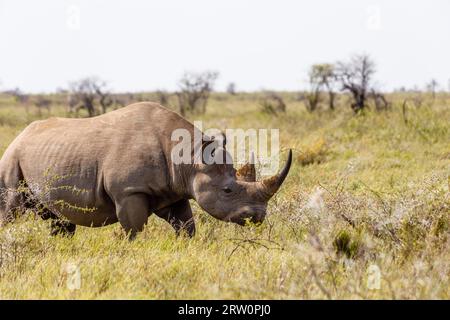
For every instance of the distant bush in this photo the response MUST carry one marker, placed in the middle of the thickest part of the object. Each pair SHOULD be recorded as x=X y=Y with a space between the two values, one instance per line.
x=314 y=153
x=272 y=103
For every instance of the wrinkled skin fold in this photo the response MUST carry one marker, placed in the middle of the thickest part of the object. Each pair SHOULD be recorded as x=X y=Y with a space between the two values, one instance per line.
x=117 y=167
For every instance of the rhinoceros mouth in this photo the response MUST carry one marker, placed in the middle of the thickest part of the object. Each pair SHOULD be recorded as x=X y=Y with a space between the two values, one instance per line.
x=247 y=217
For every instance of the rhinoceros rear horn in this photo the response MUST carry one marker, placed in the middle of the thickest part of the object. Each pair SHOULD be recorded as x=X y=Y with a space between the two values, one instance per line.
x=248 y=171
x=270 y=186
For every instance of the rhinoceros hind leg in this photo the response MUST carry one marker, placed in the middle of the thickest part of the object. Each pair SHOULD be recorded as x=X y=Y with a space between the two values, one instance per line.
x=132 y=213
x=179 y=215
x=11 y=206
x=64 y=228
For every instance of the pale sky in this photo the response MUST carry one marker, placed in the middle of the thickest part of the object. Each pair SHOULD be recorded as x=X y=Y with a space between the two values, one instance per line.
x=145 y=45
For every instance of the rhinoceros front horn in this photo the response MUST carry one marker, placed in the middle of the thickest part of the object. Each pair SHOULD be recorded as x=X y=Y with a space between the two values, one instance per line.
x=270 y=186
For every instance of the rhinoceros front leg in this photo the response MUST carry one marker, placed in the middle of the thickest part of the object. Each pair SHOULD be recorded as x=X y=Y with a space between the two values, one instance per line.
x=179 y=215
x=132 y=212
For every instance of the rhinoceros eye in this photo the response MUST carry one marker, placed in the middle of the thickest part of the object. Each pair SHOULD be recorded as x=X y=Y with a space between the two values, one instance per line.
x=227 y=190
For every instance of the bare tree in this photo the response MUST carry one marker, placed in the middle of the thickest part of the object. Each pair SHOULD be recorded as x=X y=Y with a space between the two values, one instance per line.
x=321 y=77
x=328 y=79
x=195 y=89
x=18 y=95
x=86 y=93
x=162 y=97
x=432 y=86
x=82 y=95
x=356 y=76
x=42 y=102
x=104 y=97
x=313 y=95
x=72 y=102
x=231 y=88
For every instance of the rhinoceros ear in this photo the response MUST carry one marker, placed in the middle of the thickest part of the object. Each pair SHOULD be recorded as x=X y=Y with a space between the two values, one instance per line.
x=221 y=138
x=248 y=171
x=214 y=151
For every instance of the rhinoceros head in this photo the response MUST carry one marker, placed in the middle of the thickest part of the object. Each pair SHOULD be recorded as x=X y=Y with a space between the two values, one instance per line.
x=235 y=195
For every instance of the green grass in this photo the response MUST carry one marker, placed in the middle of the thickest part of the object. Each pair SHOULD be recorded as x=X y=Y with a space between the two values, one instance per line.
x=376 y=193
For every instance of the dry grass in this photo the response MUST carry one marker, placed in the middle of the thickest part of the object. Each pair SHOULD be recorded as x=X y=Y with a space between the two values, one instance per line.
x=378 y=199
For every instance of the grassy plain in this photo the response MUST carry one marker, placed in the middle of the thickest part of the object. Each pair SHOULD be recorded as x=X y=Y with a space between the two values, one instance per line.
x=367 y=199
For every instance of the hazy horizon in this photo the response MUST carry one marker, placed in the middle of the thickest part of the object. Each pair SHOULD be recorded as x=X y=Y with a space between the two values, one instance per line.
x=141 y=46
